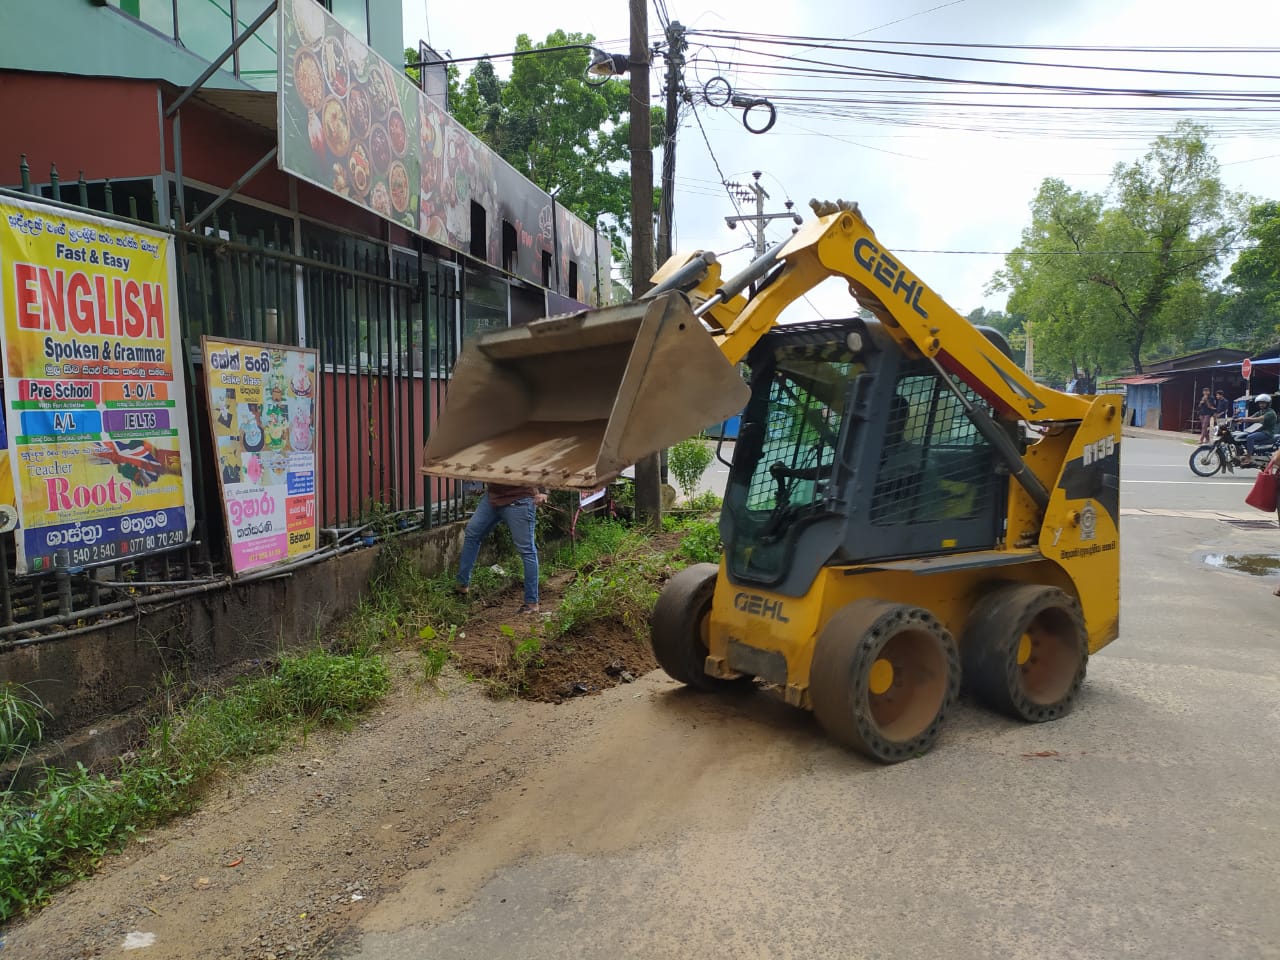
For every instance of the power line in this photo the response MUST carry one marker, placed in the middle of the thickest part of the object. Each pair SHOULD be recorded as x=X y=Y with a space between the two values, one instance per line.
x=836 y=45
x=1082 y=253
x=715 y=160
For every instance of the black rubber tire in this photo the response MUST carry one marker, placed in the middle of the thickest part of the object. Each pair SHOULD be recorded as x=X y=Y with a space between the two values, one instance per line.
x=1046 y=685
x=1205 y=461
x=675 y=629
x=926 y=669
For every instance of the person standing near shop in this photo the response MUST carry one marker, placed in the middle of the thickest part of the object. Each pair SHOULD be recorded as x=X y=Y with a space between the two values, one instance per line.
x=1221 y=407
x=517 y=508
x=1205 y=411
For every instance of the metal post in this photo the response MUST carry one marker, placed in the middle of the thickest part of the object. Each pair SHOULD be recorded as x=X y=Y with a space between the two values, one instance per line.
x=180 y=192
x=235 y=55
x=228 y=193
x=226 y=54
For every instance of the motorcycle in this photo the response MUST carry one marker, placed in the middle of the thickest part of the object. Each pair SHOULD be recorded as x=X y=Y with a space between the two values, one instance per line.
x=1226 y=453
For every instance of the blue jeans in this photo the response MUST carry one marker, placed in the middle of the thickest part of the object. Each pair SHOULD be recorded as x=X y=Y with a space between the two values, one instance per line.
x=1257 y=439
x=519 y=518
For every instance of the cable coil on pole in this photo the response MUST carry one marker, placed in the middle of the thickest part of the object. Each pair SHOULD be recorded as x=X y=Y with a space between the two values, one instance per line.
x=718 y=92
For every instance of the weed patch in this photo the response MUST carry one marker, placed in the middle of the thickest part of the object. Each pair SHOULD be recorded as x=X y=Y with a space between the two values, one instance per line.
x=701 y=542
x=21 y=721
x=61 y=829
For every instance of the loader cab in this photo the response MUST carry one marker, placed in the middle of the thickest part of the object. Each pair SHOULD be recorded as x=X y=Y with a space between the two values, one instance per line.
x=852 y=452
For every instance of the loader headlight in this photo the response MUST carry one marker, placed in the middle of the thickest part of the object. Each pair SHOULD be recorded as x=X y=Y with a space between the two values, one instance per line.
x=854 y=341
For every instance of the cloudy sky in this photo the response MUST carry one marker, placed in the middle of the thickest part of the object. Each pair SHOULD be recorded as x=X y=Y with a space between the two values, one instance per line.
x=934 y=179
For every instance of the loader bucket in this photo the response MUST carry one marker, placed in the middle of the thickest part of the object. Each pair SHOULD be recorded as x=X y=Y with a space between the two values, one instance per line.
x=570 y=401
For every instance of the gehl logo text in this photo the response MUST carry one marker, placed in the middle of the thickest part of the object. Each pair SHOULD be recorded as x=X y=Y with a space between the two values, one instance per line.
x=759 y=606
x=891 y=275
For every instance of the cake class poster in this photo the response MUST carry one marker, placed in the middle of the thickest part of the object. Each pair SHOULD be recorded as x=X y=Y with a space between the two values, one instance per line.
x=262 y=411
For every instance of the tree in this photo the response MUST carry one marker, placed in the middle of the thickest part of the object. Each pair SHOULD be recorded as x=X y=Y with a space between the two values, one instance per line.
x=1009 y=325
x=1045 y=279
x=1100 y=278
x=1250 y=309
x=556 y=129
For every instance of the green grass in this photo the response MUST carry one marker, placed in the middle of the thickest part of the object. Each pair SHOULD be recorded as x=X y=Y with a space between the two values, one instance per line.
x=21 y=721
x=701 y=543
x=62 y=828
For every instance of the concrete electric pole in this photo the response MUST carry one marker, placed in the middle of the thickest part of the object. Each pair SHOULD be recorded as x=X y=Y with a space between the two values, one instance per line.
x=754 y=190
x=666 y=212
x=648 y=475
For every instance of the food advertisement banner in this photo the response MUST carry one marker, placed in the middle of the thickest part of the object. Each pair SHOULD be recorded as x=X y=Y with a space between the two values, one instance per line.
x=354 y=125
x=95 y=399
x=262 y=413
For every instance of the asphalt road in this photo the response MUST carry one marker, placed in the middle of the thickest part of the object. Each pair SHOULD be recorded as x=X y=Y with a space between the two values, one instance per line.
x=675 y=825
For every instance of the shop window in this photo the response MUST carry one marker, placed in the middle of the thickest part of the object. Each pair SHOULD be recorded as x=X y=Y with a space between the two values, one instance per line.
x=573 y=280
x=509 y=249
x=256 y=61
x=443 y=334
x=238 y=295
x=157 y=14
x=484 y=305
x=352 y=14
x=527 y=303
x=479 y=232
x=345 y=314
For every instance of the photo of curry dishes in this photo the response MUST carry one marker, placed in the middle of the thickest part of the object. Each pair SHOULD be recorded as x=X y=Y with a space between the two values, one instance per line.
x=348 y=118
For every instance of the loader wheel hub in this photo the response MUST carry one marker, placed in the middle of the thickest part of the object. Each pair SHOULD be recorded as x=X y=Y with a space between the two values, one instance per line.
x=881 y=677
x=1024 y=649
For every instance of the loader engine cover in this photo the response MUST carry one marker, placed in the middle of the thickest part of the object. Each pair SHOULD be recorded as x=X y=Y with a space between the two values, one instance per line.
x=571 y=401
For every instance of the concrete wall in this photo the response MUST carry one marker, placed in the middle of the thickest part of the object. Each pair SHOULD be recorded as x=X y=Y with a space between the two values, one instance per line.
x=89 y=680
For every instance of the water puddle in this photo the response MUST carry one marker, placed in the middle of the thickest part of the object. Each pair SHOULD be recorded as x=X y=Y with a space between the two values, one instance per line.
x=1257 y=564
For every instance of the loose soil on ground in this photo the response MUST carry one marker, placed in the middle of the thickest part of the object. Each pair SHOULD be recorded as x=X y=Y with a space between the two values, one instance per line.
x=285 y=857
x=587 y=660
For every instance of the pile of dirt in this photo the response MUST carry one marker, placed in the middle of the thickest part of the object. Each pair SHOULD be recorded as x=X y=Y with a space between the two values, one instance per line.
x=588 y=659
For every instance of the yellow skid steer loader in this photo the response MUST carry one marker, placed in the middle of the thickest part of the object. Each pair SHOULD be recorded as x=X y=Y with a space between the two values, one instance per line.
x=890 y=525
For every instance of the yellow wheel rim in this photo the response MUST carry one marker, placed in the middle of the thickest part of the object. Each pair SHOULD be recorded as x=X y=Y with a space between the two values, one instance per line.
x=881 y=678
x=1024 y=649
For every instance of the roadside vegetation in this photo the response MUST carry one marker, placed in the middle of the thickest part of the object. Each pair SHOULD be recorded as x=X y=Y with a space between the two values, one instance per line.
x=61 y=828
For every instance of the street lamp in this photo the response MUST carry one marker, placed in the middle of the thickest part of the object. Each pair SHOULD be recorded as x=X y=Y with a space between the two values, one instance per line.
x=603 y=66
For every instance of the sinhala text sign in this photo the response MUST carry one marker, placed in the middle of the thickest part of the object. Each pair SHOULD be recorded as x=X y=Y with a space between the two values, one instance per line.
x=95 y=397
x=262 y=413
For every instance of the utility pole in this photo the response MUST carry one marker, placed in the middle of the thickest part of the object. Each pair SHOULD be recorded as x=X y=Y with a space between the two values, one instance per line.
x=648 y=477
x=761 y=197
x=675 y=66
x=761 y=218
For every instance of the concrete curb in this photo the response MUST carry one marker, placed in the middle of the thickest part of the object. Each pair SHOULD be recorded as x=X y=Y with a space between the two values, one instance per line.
x=1145 y=434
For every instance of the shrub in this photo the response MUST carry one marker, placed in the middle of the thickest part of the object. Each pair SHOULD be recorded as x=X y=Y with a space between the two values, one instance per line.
x=688 y=461
x=701 y=542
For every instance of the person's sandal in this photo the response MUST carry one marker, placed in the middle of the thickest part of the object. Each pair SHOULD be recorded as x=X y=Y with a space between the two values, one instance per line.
x=530 y=608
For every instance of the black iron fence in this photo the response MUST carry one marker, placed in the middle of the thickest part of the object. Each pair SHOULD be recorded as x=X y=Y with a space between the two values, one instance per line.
x=386 y=323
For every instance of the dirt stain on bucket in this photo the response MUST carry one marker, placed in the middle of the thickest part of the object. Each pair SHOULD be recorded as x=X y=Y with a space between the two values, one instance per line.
x=1257 y=564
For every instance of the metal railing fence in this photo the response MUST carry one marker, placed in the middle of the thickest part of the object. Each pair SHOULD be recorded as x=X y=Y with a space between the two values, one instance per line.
x=385 y=322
